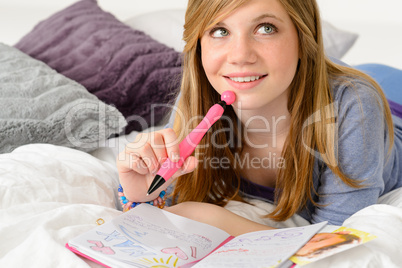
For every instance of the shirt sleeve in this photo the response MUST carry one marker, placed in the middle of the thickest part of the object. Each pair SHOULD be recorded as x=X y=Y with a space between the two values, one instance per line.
x=361 y=141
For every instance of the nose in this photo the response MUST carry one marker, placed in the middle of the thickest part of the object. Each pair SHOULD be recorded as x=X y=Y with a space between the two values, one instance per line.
x=241 y=51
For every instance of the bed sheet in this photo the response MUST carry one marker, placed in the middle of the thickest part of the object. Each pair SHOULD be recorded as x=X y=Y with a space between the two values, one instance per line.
x=50 y=194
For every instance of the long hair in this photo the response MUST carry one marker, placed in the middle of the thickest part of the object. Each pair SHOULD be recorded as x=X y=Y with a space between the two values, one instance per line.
x=310 y=92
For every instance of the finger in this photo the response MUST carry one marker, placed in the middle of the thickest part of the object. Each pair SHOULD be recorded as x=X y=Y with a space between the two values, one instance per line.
x=159 y=148
x=140 y=160
x=139 y=140
x=136 y=163
x=128 y=162
x=172 y=144
x=188 y=166
x=148 y=160
x=122 y=163
x=130 y=159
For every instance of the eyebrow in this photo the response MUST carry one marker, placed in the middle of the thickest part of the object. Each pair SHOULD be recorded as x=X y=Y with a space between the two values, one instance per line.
x=266 y=15
x=263 y=16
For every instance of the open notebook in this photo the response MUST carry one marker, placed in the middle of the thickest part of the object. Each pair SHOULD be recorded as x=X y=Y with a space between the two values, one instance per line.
x=147 y=236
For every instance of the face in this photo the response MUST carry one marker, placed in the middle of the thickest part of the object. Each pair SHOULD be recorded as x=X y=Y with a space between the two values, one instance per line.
x=319 y=241
x=253 y=52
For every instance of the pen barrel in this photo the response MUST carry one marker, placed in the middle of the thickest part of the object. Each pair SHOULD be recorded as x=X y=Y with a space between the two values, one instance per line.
x=187 y=146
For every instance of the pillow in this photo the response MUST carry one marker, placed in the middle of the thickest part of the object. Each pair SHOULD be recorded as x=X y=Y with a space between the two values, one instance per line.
x=121 y=66
x=389 y=78
x=171 y=34
x=39 y=105
x=336 y=42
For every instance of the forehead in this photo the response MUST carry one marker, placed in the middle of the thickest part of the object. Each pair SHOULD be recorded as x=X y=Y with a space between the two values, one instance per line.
x=250 y=10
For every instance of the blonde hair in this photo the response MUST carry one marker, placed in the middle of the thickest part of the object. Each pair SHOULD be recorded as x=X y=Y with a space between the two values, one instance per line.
x=310 y=92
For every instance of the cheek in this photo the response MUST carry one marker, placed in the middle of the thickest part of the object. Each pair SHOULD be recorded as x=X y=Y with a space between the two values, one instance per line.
x=206 y=63
x=283 y=59
x=205 y=57
x=211 y=62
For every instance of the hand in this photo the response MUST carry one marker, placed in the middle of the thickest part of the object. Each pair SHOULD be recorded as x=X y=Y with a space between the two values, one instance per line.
x=138 y=164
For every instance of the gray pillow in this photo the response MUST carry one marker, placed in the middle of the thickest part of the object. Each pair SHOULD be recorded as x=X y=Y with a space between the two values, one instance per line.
x=39 y=105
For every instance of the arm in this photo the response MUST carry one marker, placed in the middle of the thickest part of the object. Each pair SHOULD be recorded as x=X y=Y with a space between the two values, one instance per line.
x=217 y=216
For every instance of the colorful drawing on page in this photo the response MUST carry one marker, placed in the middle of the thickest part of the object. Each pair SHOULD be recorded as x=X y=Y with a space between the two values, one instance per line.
x=130 y=234
x=115 y=235
x=289 y=234
x=101 y=248
x=179 y=253
x=126 y=244
x=171 y=261
x=132 y=249
x=137 y=251
x=326 y=244
x=194 y=252
x=236 y=250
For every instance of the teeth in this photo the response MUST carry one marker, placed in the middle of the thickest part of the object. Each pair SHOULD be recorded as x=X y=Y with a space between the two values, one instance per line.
x=244 y=79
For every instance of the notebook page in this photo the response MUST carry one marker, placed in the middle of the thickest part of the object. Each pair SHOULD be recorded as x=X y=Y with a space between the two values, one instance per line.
x=261 y=249
x=147 y=236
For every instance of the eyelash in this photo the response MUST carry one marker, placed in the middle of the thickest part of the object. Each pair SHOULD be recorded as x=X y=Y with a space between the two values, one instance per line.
x=214 y=30
x=274 y=28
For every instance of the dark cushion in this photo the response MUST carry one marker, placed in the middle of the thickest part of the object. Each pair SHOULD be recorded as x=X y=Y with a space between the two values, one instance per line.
x=121 y=66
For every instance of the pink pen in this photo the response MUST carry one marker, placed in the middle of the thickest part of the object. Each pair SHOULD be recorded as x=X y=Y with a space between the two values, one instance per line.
x=187 y=146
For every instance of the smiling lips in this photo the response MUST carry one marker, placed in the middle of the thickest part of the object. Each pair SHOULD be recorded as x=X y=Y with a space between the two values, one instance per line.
x=244 y=81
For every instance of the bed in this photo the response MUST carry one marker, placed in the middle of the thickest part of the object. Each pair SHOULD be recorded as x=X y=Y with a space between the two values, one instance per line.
x=80 y=79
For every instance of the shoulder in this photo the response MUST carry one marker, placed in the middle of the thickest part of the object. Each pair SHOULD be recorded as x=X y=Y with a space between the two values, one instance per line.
x=355 y=98
x=349 y=90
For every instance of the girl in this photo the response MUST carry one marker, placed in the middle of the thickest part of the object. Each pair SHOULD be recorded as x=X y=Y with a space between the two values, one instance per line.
x=314 y=137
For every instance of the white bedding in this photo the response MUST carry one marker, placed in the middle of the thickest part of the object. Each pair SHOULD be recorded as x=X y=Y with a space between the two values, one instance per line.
x=50 y=194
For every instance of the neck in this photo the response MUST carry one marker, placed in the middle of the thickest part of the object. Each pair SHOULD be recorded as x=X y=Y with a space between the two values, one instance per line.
x=264 y=127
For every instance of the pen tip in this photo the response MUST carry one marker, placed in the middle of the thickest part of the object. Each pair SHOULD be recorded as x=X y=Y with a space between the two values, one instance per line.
x=156 y=183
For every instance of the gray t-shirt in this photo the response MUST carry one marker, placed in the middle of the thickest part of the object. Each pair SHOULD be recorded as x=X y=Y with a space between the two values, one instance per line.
x=363 y=142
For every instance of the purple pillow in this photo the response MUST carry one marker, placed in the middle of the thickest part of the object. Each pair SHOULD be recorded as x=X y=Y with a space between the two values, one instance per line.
x=121 y=66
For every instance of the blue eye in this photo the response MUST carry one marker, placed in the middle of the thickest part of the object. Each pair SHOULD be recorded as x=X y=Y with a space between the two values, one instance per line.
x=219 y=32
x=266 y=28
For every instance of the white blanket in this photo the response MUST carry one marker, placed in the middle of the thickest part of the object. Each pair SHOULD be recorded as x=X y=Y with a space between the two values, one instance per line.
x=50 y=194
